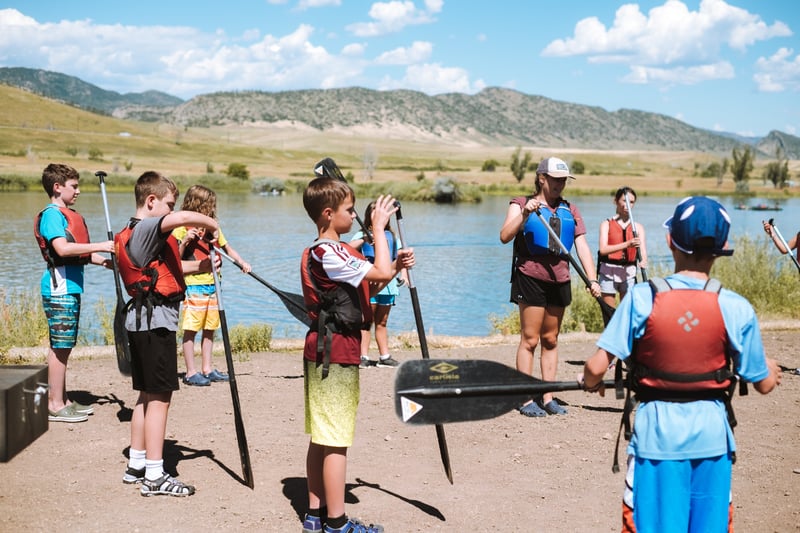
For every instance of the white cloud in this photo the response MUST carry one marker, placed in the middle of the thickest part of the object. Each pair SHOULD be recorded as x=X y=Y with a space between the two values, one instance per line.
x=669 y=36
x=307 y=4
x=680 y=75
x=432 y=78
x=354 y=49
x=418 y=52
x=779 y=72
x=391 y=17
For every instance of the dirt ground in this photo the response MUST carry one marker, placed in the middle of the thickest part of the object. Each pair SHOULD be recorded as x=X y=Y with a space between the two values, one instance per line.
x=511 y=473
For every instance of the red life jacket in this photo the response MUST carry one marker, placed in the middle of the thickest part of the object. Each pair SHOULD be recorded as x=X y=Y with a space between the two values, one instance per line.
x=196 y=250
x=157 y=283
x=617 y=235
x=76 y=231
x=684 y=347
x=334 y=308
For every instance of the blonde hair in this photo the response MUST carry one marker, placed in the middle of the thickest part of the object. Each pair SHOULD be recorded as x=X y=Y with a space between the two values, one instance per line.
x=201 y=200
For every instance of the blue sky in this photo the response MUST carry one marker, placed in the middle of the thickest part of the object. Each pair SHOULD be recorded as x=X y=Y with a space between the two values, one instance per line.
x=726 y=65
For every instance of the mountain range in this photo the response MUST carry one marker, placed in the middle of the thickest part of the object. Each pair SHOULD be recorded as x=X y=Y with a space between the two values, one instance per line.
x=494 y=116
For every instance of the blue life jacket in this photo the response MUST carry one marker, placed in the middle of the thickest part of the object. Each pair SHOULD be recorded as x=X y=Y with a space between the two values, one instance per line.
x=369 y=250
x=538 y=238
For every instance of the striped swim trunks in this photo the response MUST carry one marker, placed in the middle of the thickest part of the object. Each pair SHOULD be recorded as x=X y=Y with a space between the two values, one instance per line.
x=63 y=315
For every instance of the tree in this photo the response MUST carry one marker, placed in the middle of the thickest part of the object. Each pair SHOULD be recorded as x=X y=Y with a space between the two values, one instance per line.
x=520 y=166
x=722 y=170
x=742 y=166
x=238 y=170
x=777 y=172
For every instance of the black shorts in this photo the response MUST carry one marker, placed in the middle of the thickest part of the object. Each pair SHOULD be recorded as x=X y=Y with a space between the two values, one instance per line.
x=538 y=293
x=154 y=360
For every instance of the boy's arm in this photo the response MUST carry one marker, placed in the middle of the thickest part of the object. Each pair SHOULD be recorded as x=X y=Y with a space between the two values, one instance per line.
x=382 y=270
x=64 y=248
x=594 y=370
x=177 y=219
x=770 y=382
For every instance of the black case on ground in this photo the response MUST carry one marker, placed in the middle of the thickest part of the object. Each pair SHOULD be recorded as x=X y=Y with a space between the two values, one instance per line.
x=23 y=407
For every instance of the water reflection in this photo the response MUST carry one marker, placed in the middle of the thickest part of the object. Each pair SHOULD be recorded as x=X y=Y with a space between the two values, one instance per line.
x=462 y=268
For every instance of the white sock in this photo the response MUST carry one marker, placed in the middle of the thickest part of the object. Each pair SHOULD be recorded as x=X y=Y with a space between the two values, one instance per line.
x=385 y=356
x=154 y=469
x=365 y=358
x=136 y=460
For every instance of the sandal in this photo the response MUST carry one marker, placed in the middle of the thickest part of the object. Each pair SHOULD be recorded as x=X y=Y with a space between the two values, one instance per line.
x=554 y=408
x=166 y=484
x=532 y=410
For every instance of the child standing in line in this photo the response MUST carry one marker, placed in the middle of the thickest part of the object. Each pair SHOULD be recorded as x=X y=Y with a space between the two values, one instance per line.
x=200 y=309
x=337 y=283
x=151 y=268
x=682 y=442
x=383 y=301
x=616 y=254
x=63 y=239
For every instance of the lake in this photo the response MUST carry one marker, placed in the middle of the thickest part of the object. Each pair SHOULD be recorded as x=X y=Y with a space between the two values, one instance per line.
x=462 y=270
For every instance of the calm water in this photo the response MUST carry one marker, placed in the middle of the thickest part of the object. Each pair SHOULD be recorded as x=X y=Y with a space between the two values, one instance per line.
x=462 y=268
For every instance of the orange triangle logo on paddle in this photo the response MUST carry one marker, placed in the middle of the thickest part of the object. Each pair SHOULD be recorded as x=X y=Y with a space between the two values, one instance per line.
x=409 y=408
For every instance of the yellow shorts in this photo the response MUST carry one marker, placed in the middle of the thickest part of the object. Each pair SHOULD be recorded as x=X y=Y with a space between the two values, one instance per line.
x=331 y=403
x=200 y=311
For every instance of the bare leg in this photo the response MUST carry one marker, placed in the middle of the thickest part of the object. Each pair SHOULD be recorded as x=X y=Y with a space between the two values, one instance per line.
x=550 y=328
x=206 y=347
x=381 y=318
x=57 y=377
x=188 y=352
x=530 y=319
x=326 y=471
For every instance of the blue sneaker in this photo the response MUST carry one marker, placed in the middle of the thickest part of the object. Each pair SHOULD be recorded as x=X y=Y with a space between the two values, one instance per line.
x=354 y=525
x=216 y=375
x=312 y=524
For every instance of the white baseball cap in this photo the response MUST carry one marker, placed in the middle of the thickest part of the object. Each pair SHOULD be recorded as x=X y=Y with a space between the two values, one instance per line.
x=554 y=167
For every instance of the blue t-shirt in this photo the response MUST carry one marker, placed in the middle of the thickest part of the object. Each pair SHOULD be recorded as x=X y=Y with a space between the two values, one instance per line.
x=391 y=288
x=68 y=278
x=690 y=430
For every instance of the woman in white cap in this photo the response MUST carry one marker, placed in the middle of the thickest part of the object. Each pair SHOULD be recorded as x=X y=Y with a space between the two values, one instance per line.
x=540 y=280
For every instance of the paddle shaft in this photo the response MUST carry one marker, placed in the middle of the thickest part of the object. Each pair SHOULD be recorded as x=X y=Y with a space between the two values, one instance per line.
x=294 y=303
x=784 y=243
x=241 y=437
x=642 y=269
x=121 y=345
x=606 y=310
x=444 y=452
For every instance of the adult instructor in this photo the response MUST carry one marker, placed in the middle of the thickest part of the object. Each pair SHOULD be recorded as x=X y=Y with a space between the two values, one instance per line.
x=540 y=280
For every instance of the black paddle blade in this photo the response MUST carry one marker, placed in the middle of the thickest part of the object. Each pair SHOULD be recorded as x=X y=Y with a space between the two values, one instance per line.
x=121 y=341
x=437 y=391
x=329 y=169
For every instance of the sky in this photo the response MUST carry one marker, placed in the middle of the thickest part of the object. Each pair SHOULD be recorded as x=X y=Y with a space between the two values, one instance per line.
x=731 y=66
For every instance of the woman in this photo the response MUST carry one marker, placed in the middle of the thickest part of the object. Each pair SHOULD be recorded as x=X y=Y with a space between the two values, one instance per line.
x=619 y=245
x=540 y=282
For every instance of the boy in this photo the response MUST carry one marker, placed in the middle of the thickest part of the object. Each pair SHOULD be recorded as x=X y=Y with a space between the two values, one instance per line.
x=152 y=270
x=63 y=239
x=685 y=341
x=337 y=284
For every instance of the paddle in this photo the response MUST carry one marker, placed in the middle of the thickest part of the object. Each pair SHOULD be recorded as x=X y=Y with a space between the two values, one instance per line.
x=423 y=343
x=642 y=269
x=606 y=310
x=241 y=438
x=294 y=303
x=784 y=243
x=438 y=391
x=329 y=169
x=121 y=345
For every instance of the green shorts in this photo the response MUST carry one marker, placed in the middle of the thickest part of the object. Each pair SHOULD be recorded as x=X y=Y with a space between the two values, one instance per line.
x=331 y=403
x=63 y=315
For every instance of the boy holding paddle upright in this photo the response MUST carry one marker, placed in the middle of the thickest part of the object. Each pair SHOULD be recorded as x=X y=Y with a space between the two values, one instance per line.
x=685 y=341
x=63 y=239
x=151 y=268
x=337 y=284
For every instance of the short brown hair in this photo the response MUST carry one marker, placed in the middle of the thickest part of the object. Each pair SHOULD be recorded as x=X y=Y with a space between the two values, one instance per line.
x=323 y=193
x=155 y=183
x=57 y=173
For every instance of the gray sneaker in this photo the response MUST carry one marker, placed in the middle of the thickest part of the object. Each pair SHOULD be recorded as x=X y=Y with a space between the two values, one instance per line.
x=166 y=485
x=67 y=414
x=389 y=362
x=365 y=362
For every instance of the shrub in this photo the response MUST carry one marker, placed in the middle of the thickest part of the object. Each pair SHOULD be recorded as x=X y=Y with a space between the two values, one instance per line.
x=251 y=338
x=490 y=165
x=578 y=167
x=71 y=150
x=209 y=168
x=238 y=170
x=95 y=154
x=22 y=320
